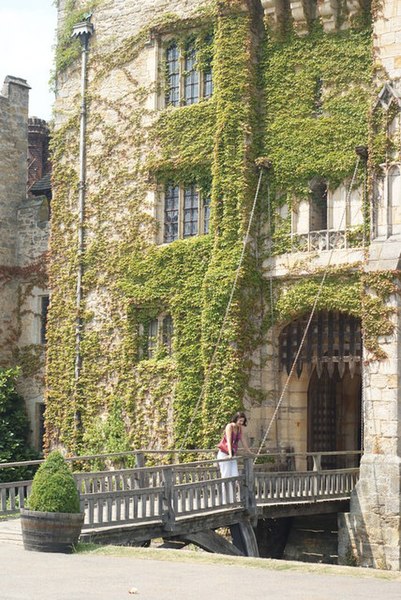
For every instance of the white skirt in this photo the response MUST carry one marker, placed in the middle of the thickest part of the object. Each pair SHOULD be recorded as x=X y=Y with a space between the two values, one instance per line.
x=228 y=468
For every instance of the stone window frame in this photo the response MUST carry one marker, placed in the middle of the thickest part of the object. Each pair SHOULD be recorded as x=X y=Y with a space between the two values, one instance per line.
x=393 y=172
x=315 y=223
x=383 y=192
x=183 y=193
x=319 y=205
x=204 y=77
x=159 y=335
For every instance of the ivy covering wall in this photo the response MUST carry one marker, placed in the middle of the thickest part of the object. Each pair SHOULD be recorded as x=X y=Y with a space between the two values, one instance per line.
x=302 y=102
x=317 y=106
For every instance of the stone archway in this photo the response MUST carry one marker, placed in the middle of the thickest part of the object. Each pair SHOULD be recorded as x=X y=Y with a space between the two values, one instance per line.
x=324 y=406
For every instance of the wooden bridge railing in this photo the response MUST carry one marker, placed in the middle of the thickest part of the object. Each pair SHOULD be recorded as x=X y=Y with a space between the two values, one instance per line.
x=300 y=486
x=161 y=494
x=272 y=488
x=169 y=493
x=13 y=496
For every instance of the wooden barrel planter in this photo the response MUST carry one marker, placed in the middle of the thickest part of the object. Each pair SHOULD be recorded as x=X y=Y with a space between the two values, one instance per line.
x=50 y=532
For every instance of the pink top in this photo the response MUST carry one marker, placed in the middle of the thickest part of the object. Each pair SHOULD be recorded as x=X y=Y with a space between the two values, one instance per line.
x=235 y=439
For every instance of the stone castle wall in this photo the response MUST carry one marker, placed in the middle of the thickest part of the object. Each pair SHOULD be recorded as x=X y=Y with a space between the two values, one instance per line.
x=374 y=523
x=13 y=167
x=114 y=23
x=372 y=531
x=24 y=232
x=13 y=161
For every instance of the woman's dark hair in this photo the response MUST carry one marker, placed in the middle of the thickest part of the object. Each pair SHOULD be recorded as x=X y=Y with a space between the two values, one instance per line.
x=239 y=415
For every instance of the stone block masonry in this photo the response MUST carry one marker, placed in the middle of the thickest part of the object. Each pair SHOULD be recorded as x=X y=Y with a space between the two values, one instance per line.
x=13 y=161
x=24 y=232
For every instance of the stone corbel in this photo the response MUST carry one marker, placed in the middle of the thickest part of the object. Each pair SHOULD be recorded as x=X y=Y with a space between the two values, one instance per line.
x=274 y=12
x=355 y=7
x=328 y=12
x=300 y=16
x=304 y=12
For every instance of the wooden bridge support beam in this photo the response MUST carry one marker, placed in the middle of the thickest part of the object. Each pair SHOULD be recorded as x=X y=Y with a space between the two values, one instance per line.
x=211 y=541
x=244 y=538
x=244 y=541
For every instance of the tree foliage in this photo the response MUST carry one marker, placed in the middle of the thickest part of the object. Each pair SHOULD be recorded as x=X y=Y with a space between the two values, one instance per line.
x=14 y=429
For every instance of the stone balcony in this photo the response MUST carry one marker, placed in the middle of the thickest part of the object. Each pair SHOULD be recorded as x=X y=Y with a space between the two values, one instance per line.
x=333 y=14
x=326 y=239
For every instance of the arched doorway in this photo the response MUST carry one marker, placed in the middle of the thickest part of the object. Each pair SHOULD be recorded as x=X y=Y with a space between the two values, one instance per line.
x=326 y=384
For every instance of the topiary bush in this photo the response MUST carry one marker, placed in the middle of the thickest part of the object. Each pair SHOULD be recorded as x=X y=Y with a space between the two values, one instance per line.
x=54 y=488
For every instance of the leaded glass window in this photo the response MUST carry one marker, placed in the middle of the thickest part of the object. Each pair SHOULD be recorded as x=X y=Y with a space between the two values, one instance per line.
x=153 y=333
x=207 y=83
x=168 y=333
x=206 y=214
x=186 y=84
x=171 y=212
x=191 y=77
x=191 y=211
x=160 y=335
x=173 y=75
x=186 y=212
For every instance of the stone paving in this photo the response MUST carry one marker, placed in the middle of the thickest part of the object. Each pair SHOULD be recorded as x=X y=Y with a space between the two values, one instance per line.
x=10 y=532
x=176 y=575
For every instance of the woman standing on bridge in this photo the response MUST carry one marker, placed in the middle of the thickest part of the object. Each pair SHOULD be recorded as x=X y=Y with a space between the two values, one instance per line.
x=228 y=446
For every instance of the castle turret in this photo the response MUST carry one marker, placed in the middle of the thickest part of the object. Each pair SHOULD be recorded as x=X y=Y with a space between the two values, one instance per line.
x=13 y=165
x=38 y=150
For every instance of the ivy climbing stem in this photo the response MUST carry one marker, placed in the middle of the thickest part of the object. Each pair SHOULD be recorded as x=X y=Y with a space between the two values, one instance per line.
x=241 y=259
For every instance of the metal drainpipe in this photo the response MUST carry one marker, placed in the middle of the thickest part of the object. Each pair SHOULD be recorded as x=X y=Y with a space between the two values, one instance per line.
x=83 y=32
